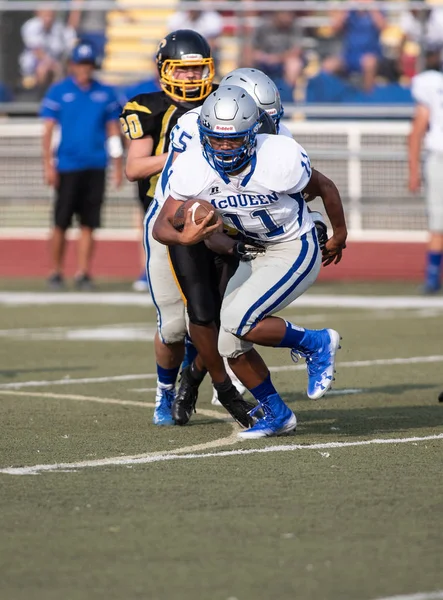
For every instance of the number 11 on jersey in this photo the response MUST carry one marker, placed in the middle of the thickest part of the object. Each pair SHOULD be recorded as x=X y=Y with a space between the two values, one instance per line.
x=270 y=226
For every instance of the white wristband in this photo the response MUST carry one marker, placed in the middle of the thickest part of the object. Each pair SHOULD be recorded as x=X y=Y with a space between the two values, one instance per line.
x=114 y=146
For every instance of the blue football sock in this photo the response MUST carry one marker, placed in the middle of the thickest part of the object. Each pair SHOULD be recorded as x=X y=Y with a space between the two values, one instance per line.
x=190 y=353
x=263 y=390
x=167 y=377
x=299 y=338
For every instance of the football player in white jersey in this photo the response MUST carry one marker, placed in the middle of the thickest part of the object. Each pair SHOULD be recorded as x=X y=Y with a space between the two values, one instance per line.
x=165 y=294
x=256 y=184
x=267 y=97
x=427 y=127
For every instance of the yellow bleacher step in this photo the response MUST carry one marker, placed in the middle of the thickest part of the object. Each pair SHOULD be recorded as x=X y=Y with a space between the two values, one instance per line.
x=130 y=31
x=118 y=45
x=116 y=63
x=160 y=16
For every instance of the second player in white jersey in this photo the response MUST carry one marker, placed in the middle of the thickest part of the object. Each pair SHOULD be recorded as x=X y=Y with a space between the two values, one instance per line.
x=263 y=202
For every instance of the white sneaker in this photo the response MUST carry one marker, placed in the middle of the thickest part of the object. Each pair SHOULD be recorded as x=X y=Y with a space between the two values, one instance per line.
x=235 y=380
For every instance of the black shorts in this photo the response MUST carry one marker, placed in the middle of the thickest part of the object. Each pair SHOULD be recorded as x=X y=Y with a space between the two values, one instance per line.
x=80 y=193
x=202 y=276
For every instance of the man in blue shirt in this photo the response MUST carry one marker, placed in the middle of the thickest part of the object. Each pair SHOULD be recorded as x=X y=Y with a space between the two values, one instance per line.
x=87 y=114
x=360 y=33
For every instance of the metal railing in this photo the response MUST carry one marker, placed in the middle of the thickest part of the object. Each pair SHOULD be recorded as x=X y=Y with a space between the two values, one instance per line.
x=367 y=161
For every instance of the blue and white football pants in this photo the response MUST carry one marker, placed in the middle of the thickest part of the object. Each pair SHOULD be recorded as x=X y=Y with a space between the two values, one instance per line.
x=265 y=286
x=171 y=323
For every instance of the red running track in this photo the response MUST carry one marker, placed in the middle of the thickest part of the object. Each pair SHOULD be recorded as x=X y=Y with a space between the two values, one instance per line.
x=362 y=261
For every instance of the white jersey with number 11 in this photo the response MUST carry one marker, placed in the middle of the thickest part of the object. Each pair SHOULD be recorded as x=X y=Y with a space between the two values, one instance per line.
x=264 y=202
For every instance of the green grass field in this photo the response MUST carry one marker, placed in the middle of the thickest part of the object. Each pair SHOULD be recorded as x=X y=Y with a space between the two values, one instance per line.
x=99 y=503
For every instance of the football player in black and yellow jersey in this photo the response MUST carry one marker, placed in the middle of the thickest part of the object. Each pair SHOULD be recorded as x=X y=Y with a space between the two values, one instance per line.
x=186 y=72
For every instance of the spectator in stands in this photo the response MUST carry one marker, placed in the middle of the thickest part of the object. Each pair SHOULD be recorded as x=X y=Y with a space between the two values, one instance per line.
x=90 y=26
x=206 y=22
x=422 y=28
x=276 y=50
x=360 y=31
x=427 y=90
x=87 y=113
x=46 y=42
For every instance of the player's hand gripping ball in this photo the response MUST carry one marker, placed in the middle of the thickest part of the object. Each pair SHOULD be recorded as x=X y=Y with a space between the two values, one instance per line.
x=199 y=210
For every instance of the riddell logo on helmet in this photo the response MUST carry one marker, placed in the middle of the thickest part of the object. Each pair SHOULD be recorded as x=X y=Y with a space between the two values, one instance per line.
x=191 y=57
x=229 y=128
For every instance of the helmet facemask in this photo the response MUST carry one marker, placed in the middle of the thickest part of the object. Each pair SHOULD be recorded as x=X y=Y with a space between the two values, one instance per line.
x=227 y=162
x=185 y=89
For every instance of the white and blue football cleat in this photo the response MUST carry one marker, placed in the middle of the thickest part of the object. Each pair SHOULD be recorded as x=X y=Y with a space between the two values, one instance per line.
x=321 y=363
x=278 y=420
x=163 y=407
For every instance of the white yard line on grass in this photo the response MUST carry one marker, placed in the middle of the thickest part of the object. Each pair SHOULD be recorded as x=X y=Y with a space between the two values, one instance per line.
x=181 y=453
x=218 y=443
x=153 y=457
x=145 y=332
x=78 y=397
x=140 y=332
x=69 y=381
x=438 y=595
x=131 y=299
x=355 y=363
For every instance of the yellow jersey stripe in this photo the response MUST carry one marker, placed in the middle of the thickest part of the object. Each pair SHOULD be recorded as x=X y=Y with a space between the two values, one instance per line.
x=161 y=146
x=137 y=106
x=171 y=266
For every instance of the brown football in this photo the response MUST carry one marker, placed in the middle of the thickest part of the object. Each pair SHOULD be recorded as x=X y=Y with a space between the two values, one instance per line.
x=199 y=209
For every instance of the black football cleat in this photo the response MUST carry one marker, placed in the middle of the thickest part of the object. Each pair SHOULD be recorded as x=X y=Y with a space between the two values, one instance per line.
x=240 y=410
x=185 y=398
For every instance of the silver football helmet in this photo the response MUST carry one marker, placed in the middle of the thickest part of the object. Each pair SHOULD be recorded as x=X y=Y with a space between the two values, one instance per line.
x=228 y=125
x=262 y=89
